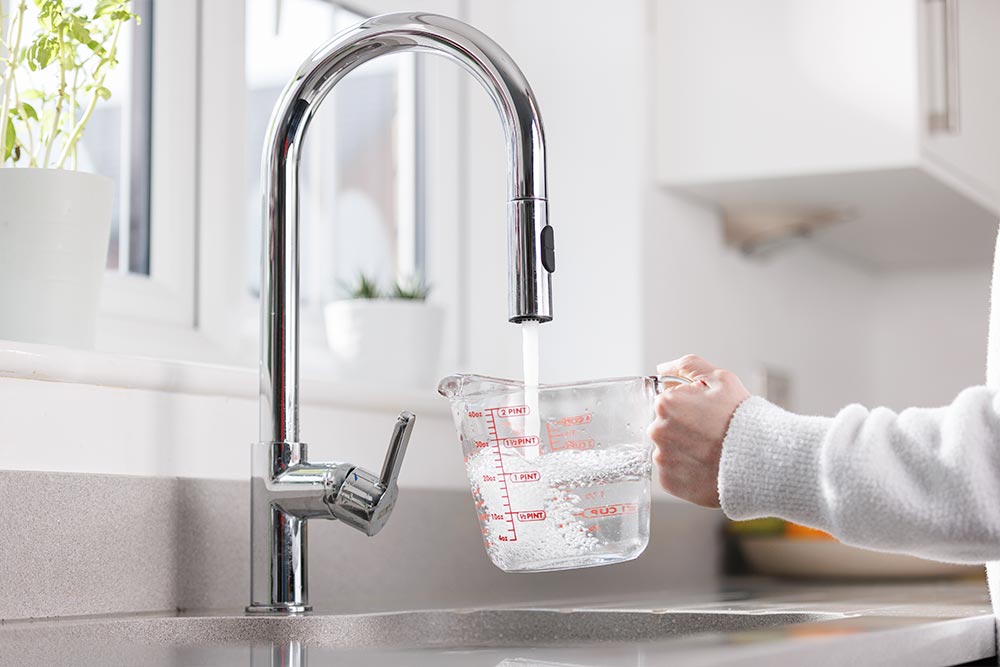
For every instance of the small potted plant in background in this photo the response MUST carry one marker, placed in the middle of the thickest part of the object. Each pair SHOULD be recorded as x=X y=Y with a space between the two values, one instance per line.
x=54 y=221
x=394 y=336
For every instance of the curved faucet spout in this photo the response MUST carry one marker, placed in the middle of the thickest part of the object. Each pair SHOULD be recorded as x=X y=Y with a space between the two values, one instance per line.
x=287 y=489
x=530 y=244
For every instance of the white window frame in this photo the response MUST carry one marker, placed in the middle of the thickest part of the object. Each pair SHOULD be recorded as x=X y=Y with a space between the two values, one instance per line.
x=161 y=305
x=225 y=313
x=167 y=294
x=193 y=305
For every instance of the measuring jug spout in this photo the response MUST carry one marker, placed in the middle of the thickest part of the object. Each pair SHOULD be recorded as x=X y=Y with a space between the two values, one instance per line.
x=451 y=386
x=456 y=387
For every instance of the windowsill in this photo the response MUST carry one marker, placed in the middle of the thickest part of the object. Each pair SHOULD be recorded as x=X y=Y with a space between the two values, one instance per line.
x=49 y=363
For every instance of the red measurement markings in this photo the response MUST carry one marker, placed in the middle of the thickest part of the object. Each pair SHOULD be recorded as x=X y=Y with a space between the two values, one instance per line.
x=520 y=441
x=575 y=420
x=503 y=479
x=586 y=443
x=509 y=411
x=602 y=511
x=530 y=476
x=533 y=515
x=569 y=432
x=562 y=440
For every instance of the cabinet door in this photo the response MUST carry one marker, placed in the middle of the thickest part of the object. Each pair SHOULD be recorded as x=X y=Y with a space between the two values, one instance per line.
x=771 y=88
x=961 y=94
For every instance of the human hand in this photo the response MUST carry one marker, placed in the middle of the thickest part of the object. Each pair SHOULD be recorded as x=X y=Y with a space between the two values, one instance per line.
x=690 y=425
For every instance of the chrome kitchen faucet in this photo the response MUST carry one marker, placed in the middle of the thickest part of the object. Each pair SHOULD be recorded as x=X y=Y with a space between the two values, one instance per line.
x=287 y=489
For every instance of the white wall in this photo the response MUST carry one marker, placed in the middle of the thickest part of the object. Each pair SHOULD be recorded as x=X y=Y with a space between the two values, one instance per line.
x=842 y=334
x=118 y=415
x=586 y=84
x=928 y=336
x=800 y=311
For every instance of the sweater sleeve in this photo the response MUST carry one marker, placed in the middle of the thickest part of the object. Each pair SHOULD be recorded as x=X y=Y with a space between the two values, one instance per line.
x=924 y=481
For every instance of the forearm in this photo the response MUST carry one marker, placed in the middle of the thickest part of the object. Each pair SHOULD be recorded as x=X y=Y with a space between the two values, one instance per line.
x=924 y=481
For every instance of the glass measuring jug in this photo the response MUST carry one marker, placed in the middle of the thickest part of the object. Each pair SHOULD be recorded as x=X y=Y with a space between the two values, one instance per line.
x=565 y=488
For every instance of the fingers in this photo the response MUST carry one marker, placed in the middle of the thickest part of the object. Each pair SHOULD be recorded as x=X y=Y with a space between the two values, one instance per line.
x=674 y=397
x=665 y=437
x=690 y=366
x=687 y=478
x=679 y=438
x=690 y=425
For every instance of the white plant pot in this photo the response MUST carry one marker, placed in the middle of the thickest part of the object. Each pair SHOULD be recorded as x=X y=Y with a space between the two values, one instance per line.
x=54 y=227
x=379 y=340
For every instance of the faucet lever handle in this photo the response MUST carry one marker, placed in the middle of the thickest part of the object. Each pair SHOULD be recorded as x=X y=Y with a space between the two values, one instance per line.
x=397 y=447
x=364 y=501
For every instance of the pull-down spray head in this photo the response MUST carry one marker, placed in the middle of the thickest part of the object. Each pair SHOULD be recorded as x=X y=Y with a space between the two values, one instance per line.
x=531 y=258
x=530 y=246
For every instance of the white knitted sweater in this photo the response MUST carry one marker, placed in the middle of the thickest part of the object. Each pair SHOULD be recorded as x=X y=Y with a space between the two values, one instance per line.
x=924 y=481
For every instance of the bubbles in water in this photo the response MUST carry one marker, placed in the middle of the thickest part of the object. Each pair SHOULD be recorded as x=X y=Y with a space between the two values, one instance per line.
x=568 y=508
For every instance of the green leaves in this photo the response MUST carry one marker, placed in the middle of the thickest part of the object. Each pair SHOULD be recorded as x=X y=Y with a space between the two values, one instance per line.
x=413 y=289
x=117 y=10
x=78 y=48
x=109 y=7
x=24 y=111
x=366 y=287
x=41 y=52
x=9 y=139
x=78 y=30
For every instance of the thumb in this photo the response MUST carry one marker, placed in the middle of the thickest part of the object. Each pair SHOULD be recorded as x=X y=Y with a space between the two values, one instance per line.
x=689 y=366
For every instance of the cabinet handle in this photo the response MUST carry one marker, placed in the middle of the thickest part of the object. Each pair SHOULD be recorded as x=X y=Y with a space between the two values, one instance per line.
x=946 y=119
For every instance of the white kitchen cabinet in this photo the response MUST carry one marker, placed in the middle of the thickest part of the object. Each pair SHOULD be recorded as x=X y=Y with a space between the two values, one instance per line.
x=965 y=144
x=792 y=113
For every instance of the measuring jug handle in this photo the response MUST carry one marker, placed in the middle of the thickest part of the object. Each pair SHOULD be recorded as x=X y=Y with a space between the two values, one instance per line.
x=662 y=380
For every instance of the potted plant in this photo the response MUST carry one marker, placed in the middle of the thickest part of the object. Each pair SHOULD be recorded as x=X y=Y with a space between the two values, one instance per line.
x=377 y=337
x=54 y=221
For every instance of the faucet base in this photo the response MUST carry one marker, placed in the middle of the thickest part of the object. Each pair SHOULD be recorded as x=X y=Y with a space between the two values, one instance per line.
x=278 y=608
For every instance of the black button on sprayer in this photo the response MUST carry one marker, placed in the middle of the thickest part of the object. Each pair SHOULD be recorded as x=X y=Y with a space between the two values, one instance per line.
x=548 y=249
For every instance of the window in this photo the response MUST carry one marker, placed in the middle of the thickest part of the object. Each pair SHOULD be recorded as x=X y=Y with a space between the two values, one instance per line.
x=142 y=138
x=117 y=143
x=153 y=131
x=116 y=140
x=359 y=193
x=182 y=136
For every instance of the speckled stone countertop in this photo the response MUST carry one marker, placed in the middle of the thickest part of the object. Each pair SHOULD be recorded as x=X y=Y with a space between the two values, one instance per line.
x=740 y=622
